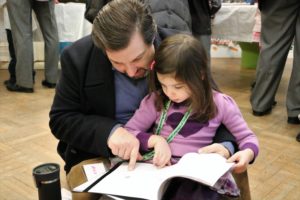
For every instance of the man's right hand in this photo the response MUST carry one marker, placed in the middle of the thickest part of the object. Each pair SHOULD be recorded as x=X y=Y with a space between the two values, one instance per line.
x=125 y=145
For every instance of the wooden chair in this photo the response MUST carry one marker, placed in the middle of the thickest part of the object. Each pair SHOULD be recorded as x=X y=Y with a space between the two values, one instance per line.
x=243 y=183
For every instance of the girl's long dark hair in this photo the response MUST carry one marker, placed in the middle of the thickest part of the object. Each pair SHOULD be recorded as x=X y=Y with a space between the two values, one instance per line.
x=184 y=56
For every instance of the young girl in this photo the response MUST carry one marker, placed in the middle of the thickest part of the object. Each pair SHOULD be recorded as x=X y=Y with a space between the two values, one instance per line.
x=183 y=111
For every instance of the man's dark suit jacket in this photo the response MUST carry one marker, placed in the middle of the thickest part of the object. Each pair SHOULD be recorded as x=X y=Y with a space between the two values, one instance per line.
x=83 y=111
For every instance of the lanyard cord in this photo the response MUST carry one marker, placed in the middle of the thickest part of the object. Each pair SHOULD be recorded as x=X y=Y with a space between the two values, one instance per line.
x=162 y=120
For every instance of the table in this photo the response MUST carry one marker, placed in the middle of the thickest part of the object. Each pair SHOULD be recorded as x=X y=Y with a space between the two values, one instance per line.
x=234 y=21
x=71 y=23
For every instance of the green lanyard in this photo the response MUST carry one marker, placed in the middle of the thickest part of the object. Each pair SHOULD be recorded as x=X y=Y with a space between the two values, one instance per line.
x=162 y=120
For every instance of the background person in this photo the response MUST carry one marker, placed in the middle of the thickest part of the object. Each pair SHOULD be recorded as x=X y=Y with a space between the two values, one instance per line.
x=11 y=49
x=280 y=27
x=20 y=13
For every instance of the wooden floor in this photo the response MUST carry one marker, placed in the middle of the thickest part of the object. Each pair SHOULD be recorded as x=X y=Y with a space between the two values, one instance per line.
x=26 y=141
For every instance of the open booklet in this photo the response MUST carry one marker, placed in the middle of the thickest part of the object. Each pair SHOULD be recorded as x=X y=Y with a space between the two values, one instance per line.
x=149 y=182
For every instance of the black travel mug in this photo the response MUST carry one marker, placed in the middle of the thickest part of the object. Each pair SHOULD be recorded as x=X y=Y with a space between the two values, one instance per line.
x=46 y=178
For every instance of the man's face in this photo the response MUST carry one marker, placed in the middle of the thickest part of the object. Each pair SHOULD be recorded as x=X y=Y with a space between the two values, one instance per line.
x=135 y=59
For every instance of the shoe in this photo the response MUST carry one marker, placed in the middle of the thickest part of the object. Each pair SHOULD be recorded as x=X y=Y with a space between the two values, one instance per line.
x=48 y=85
x=266 y=112
x=17 y=88
x=262 y=113
x=253 y=84
x=293 y=120
x=33 y=76
x=9 y=81
x=298 y=137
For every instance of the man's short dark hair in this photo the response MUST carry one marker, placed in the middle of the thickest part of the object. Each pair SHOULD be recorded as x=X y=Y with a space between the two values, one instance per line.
x=118 y=20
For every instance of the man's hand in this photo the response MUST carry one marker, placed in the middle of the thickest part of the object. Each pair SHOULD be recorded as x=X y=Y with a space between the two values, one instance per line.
x=242 y=159
x=215 y=148
x=125 y=145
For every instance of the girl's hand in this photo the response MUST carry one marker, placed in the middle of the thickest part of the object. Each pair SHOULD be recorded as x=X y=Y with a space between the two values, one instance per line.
x=242 y=159
x=162 y=151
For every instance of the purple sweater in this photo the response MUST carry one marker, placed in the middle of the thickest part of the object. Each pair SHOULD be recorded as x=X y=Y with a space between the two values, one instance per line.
x=193 y=135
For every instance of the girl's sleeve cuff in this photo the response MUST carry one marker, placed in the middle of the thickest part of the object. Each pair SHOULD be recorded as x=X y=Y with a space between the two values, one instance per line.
x=143 y=138
x=253 y=147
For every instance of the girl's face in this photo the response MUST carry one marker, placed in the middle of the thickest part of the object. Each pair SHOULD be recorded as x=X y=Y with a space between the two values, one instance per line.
x=175 y=90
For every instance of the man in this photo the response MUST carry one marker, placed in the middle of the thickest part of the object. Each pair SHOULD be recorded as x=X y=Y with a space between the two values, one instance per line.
x=21 y=26
x=280 y=27
x=201 y=14
x=102 y=82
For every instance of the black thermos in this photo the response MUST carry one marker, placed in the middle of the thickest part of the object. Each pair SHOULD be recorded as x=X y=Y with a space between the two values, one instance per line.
x=46 y=178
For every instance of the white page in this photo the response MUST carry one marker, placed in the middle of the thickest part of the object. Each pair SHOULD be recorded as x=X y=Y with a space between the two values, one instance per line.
x=207 y=168
x=83 y=186
x=145 y=180
x=142 y=182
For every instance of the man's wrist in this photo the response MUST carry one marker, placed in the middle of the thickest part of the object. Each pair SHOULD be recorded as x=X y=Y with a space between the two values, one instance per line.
x=114 y=129
x=229 y=146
